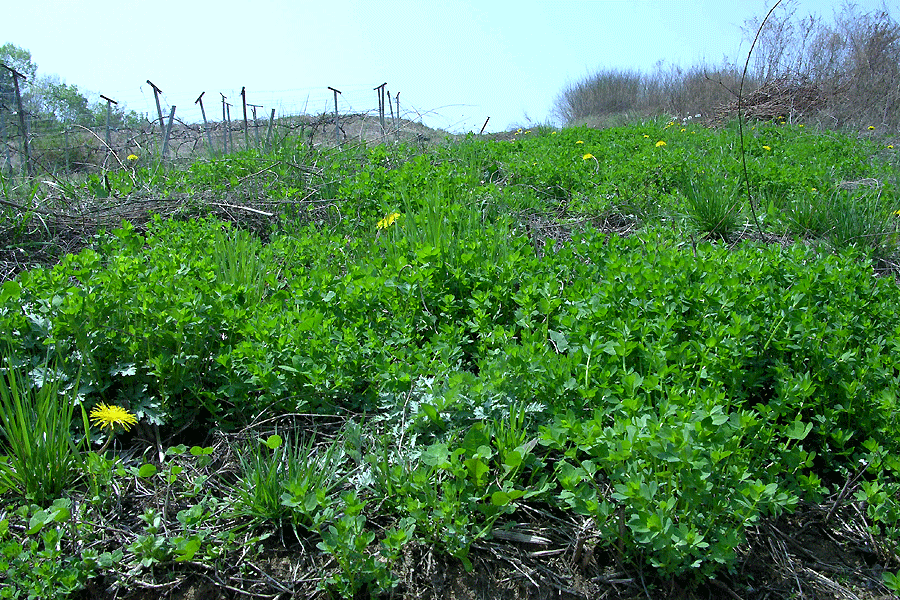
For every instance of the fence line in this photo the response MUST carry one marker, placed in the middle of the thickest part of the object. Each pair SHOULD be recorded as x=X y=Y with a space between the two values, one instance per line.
x=58 y=148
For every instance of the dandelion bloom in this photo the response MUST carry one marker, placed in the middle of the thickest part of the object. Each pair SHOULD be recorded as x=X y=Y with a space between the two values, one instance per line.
x=897 y=212
x=660 y=143
x=683 y=130
x=767 y=148
x=890 y=146
x=587 y=156
x=110 y=415
x=871 y=128
x=131 y=157
x=388 y=220
x=646 y=135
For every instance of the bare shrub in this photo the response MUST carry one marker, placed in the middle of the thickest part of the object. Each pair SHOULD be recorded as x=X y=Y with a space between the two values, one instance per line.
x=838 y=72
x=851 y=62
x=605 y=93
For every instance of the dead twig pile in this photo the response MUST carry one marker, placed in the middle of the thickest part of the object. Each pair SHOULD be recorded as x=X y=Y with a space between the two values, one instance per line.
x=779 y=98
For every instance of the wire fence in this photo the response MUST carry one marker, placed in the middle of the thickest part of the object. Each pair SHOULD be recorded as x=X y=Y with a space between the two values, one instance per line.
x=210 y=126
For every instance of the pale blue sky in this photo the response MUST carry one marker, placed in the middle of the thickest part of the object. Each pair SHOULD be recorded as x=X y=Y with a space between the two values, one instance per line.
x=454 y=62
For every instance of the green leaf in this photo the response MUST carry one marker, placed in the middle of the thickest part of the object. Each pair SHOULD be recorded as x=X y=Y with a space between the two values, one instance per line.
x=477 y=469
x=146 y=471
x=891 y=580
x=10 y=290
x=500 y=498
x=37 y=521
x=186 y=549
x=432 y=414
x=437 y=455
x=504 y=497
x=176 y=450
x=559 y=340
x=512 y=459
x=798 y=430
x=273 y=442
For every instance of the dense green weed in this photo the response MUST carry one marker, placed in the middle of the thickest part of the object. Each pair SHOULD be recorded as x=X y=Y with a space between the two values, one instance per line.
x=478 y=372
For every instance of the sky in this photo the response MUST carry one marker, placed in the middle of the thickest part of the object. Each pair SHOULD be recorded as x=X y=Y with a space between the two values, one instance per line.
x=454 y=63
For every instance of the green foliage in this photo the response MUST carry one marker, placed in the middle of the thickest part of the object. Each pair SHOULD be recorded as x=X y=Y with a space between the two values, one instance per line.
x=41 y=563
x=41 y=459
x=287 y=482
x=674 y=392
x=713 y=206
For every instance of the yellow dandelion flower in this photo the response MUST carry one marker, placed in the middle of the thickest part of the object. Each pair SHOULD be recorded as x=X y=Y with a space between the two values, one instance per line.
x=871 y=128
x=552 y=133
x=646 y=135
x=388 y=220
x=587 y=156
x=683 y=130
x=660 y=143
x=800 y=125
x=890 y=146
x=897 y=212
x=527 y=131
x=110 y=415
x=579 y=142
x=131 y=157
x=767 y=148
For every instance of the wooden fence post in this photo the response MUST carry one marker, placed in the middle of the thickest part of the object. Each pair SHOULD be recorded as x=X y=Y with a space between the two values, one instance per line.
x=269 y=131
x=244 y=102
x=68 y=151
x=156 y=93
x=379 y=91
x=228 y=123
x=337 y=128
x=394 y=117
x=224 y=132
x=253 y=108
x=168 y=131
x=109 y=103
x=5 y=140
x=15 y=75
x=199 y=101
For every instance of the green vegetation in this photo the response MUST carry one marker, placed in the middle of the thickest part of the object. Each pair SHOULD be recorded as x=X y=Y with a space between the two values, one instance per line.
x=436 y=349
